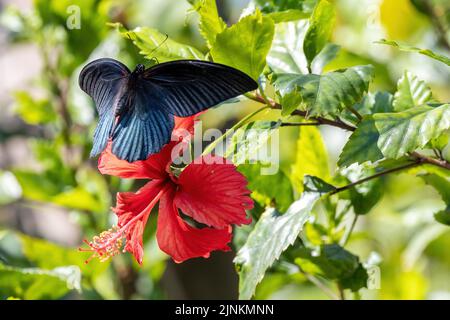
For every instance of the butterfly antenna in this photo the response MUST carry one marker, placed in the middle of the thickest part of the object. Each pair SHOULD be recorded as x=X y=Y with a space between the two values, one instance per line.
x=158 y=46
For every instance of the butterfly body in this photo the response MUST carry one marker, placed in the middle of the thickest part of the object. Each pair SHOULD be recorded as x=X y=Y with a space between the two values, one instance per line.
x=136 y=109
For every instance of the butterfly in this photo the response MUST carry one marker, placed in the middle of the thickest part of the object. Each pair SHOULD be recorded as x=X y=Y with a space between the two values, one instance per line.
x=136 y=109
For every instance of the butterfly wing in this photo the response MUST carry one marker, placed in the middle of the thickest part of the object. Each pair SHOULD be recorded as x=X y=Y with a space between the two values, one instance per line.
x=186 y=87
x=143 y=130
x=182 y=88
x=104 y=80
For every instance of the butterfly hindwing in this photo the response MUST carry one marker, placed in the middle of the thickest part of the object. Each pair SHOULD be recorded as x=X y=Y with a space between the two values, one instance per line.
x=141 y=131
x=104 y=80
x=186 y=87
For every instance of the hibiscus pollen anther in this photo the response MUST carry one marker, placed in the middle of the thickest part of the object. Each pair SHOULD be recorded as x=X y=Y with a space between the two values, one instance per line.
x=106 y=245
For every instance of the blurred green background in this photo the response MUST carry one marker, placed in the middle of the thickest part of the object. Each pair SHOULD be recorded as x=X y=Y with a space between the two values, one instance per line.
x=51 y=195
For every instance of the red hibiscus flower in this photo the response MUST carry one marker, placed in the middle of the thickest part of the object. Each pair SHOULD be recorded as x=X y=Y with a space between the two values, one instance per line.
x=209 y=190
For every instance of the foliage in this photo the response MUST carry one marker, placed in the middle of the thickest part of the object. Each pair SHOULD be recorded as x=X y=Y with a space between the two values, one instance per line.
x=317 y=66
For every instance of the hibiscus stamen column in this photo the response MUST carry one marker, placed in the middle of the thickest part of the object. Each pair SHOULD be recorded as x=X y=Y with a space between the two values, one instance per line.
x=109 y=243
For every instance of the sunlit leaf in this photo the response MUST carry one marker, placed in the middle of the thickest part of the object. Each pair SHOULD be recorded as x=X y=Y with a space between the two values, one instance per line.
x=245 y=45
x=211 y=23
x=262 y=188
x=426 y=52
x=153 y=44
x=286 y=54
x=251 y=142
x=411 y=92
x=328 y=53
x=322 y=95
x=320 y=28
x=274 y=233
x=36 y=283
x=283 y=11
x=392 y=135
x=312 y=157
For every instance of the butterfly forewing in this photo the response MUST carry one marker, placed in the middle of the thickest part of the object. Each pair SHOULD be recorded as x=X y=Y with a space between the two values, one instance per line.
x=186 y=87
x=104 y=80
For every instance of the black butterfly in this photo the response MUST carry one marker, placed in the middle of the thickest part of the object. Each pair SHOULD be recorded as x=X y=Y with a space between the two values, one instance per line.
x=137 y=109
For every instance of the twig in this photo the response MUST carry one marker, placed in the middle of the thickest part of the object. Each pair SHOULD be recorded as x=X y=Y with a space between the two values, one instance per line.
x=377 y=175
x=340 y=124
x=320 y=285
x=341 y=291
x=320 y=121
x=425 y=159
x=355 y=112
x=349 y=231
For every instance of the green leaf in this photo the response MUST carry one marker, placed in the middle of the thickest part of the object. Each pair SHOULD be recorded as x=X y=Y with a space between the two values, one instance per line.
x=33 y=111
x=366 y=195
x=153 y=44
x=36 y=283
x=324 y=94
x=357 y=280
x=283 y=11
x=320 y=28
x=211 y=23
x=426 y=52
x=442 y=185
x=328 y=53
x=286 y=54
x=47 y=255
x=377 y=102
x=312 y=157
x=334 y=263
x=392 y=135
x=245 y=45
x=250 y=142
x=274 y=233
x=411 y=92
x=262 y=188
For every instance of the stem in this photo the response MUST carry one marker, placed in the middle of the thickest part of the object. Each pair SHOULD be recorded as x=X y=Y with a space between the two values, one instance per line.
x=425 y=159
x=349 y=231
x=355 y=112
x=213 y=144
x=341 y=292
x=377 y=175
x=320 y=285
x=340 y=124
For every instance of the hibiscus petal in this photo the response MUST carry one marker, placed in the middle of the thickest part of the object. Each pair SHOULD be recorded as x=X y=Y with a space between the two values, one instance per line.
x=152 y=168
x=182 y=241
x=213 y=192
x=133 y=210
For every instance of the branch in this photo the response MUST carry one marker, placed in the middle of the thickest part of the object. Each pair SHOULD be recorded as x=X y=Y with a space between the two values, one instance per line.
x=319 y=285
x=379 y=174
x=320 y=121
x=433 y=161
x=341 y=124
